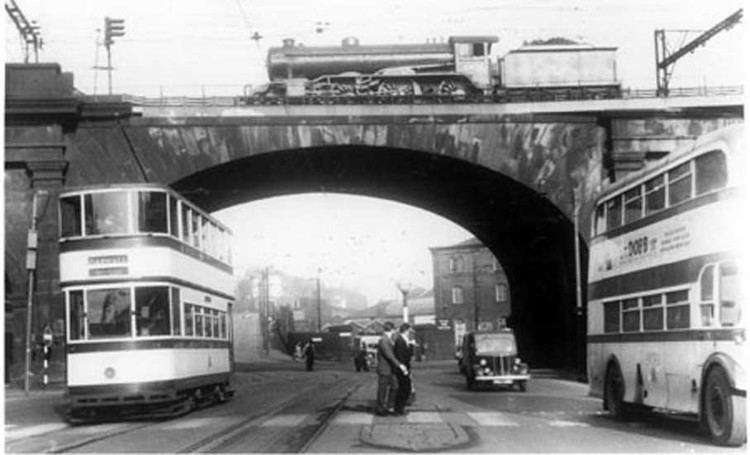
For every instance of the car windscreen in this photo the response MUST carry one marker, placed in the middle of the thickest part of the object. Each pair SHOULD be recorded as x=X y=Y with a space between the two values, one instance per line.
x=497 y=344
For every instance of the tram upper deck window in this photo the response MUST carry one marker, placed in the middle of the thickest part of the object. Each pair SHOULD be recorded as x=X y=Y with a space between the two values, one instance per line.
x=106 y=213
x=70 y=216
x=152 y=211
x=108 y=312
x=710 y=172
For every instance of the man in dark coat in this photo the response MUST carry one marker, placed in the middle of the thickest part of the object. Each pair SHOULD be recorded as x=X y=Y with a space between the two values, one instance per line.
x=387 y=365
x=402 y=351
x=309 y=353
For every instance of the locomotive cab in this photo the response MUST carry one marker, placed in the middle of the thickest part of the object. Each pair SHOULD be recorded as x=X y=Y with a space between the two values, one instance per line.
x=471 y=57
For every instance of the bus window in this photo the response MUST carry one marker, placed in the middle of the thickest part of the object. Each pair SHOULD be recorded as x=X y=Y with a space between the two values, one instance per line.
x=108 y=312
x=655 y=195
x=710 y=172
x=106 y=213
x=152 y=310
x=70 y=216
x=599 y=221
x=633 y=205
x=174 y=218
x=189 y=319
x=612 y=317
x=152 y=211
x=76 y=315
x=653 y=312
x=680 y=183
x=614 y=213
x=631 y=316
x=729 y=284
x=176 y=315
x=678 y=310
x=708 y=301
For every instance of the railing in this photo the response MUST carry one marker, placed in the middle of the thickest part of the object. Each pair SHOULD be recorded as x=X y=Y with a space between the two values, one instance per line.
x=237 y=101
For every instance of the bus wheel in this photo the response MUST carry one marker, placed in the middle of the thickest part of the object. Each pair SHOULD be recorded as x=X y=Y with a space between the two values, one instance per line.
x=614 y=391
x=723 y=413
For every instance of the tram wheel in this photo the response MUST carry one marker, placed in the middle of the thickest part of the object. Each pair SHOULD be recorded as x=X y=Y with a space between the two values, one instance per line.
x=614 y=391
x=723 y=413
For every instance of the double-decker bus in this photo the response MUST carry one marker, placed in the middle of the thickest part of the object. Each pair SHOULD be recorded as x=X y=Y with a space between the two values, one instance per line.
x=148 y=289
x=666 y=319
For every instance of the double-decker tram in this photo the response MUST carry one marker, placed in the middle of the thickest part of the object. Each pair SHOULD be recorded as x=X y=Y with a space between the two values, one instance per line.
x=666 y=318
x=148 y=289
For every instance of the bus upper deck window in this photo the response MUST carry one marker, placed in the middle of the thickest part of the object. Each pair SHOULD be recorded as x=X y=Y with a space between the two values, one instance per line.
x=106 y=213
x=680 y=183
x=152 y=211
x=600 y=224
x=70 y=216
x=729 y=284
x=655 y=194
x=614 y=213
x=633 y=205
x=710 y=172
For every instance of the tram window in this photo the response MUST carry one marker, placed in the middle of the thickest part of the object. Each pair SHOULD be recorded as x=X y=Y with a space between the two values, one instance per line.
x=189 y=319
x=707 y=297
x=614 y=213
x=710 y=172
x=631 y=316
x=174 y=219
x=215 y=323
x=185 y=223
x=198 y=313
x=729 y=288
x=633 y=205
x=152 y=211
x=655 y=194
x=678 y=310
x=206 y=236
x=611 y=317
x=108 y=312
x=152 y=310
x=76 y=315
x=680 y=183
x=223 y=324
x=106 y=213
x=176 y=315
x=70 y=216
x=653 y=312
x=195 y=229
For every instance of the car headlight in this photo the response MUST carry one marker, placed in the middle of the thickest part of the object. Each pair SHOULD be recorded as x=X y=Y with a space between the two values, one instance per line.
x=483 y=362
x=487 y=371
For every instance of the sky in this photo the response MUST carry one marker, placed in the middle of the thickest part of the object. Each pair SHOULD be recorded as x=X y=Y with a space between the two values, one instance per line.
x=193 y=48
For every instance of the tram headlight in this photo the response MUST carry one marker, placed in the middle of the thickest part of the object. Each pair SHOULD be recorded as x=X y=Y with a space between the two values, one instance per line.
x=487 y=371
x=483 y=362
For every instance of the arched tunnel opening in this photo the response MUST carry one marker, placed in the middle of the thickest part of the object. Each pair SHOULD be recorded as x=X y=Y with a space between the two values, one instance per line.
x=530 y=237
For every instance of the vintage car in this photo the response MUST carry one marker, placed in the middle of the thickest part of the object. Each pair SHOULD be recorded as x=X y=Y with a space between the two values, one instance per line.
x=491 y=358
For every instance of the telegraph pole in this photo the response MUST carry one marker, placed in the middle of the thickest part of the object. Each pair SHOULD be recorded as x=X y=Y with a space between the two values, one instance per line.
x=113 y=28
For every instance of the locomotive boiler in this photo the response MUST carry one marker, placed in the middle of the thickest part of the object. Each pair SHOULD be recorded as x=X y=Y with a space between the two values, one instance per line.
x=460 y=69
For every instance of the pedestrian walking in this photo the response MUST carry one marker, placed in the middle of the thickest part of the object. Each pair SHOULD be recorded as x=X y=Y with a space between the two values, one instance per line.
x=402 y=350
x=298 y=351
x=360 y=359
x=387 y=364
x=309 y=355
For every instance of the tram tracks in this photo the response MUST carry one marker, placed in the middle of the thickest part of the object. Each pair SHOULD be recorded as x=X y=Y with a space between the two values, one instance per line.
x=249 y=434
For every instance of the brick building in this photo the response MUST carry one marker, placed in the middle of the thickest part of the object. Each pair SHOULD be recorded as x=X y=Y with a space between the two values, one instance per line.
x=471 y=288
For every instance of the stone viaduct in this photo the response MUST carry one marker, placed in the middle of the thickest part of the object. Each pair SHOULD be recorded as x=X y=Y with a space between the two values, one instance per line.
x=506 y=173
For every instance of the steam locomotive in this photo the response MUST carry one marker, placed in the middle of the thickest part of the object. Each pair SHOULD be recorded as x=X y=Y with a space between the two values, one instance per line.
x=459 y=70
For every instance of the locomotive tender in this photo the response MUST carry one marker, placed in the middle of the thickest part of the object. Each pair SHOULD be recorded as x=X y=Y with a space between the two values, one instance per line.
x=460 y=70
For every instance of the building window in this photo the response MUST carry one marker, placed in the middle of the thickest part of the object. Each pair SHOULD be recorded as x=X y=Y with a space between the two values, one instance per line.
x=501 y=292
x=457 y=295
x=456 y=264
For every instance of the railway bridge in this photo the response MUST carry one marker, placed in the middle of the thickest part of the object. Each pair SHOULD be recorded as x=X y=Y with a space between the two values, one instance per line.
x=515 y=175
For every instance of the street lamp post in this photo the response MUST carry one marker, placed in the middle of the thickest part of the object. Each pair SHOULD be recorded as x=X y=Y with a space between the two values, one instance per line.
x=404 y=287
